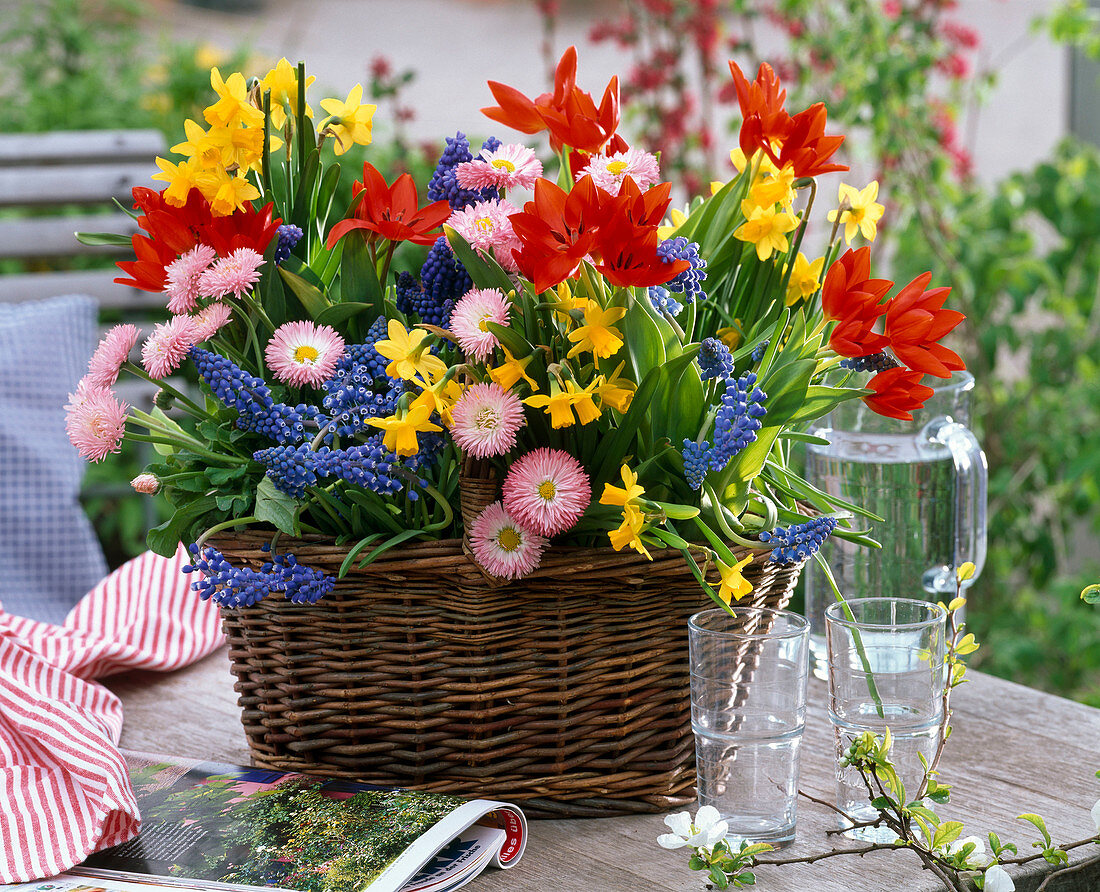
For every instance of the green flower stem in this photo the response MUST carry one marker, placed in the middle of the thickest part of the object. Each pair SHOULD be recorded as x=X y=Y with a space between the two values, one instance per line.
x=198 y=450
x=258 y=308
x=225 y=525
x=872 y=688
x=137 y=371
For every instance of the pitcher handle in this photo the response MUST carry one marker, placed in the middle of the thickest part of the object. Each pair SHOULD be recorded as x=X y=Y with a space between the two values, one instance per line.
x=972 y=475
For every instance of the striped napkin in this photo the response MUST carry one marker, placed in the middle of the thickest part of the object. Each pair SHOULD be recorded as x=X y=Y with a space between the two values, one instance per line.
x=64 y=788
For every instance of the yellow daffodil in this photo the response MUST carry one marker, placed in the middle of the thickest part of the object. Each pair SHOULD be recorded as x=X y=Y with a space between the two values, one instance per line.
x=408 y=354
x=616 y=392
x=282 y=81
x=628 y=532
x=583 y=403
x=597 y=334
x=439 y=397
x=773 y=187
x=232 y=107
x=676 y=219
x=716 y=186
x=627 y=494
x=198 y=146
x=558 y=405
x=566 y=303
x=734 y=585
x=349 y=122
x=238 y=146
x=230 y=193
x=400 y=431
x=859 y=212
x=766 y=228
x=805 y=279
x=182 y=178
x=511 y=370
x=730 y=335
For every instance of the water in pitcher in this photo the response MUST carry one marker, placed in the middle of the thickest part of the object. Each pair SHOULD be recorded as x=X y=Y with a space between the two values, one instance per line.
x=911 y=484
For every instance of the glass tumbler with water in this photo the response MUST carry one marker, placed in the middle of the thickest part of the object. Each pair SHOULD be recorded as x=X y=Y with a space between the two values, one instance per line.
x=886 y=670
x=926 y=478
x=748 y=710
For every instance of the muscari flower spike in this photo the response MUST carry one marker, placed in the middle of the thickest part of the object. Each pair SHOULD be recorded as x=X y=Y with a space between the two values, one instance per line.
x=289 y=235
x=715 y=359
x=663 y=301
x=800 y=541
x=444 y=280
x=444 y=184
x=759 y=350
x=232 y=586
x=873 y=362
x=735 y=427
x=689 y=283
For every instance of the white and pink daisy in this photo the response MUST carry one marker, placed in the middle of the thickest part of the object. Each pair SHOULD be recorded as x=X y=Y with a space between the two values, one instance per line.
x=608 y=171
x=485 y=225
x=146 y=484
x=302 y=353
x=235 y=274
x=111 y=353
x=183 y=278
x=502 y=546
x=209 y=320
x=485 y=419
x=547 y=491
x=166 y=347
x=508 y=167
x=470 y=316
x=95 y=421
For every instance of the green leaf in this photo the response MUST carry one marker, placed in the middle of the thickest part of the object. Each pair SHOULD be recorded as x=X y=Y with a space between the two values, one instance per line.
x=103 y=239
x=337 y=314
x=644 y=342
x=947 y=833
x=615 y=447
x=358 y=277
x=355 y=552
x=276 y=507
x=1091 y=595
x=1039 y=823
x=314 y=302
x=403 y=536
x=485 y=272
x=819 y=400
x=718 y=877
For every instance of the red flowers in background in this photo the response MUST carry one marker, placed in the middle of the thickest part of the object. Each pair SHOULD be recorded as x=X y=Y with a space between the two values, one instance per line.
x=897 y=392
x=569 y=113
x=175 y=230
x=391 y=212
x=799 y=141
x=915 y=322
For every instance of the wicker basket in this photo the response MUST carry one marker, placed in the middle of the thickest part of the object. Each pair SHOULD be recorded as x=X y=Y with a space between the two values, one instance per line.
x=566 y=690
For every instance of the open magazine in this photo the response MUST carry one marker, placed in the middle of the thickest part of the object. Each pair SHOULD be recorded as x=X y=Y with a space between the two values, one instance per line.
x=223 y=827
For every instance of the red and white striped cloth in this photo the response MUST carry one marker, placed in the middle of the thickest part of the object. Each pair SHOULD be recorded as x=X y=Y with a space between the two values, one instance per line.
x=64 y=788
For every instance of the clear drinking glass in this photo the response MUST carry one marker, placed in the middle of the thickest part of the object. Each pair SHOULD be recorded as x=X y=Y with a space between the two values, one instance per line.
x=748 y=710
x=886 y=670
x=926 y=478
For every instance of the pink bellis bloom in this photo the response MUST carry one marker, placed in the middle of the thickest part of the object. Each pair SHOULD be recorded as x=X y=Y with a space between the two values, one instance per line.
x=485 y=225
x=183 y=278
x=209 y=320
x=111 y=353
x=485 y=420
x=235 y=274
x=165 y=348
x=95 y=421
x=547 y=491
x=304 y=353
x=608 y=171
x=469 y=317
x=509 y=167
x=504 y=547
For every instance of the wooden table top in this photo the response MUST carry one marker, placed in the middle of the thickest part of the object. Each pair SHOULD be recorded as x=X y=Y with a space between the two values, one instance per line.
x=1013 y=750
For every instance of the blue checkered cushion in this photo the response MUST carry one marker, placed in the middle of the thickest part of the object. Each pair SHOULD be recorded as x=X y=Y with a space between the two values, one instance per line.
x=49 y=555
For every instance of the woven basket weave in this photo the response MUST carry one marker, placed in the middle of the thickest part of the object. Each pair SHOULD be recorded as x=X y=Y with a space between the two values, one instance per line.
x=566 y=690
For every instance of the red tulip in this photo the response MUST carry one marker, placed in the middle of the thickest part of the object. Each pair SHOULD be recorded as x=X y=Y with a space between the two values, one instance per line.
x=391 y=212
x=915 y=322
x=853 y=299
x=897 y=392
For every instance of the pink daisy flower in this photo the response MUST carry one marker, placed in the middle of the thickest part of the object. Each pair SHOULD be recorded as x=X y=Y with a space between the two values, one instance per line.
x=95 y=421
x=146 y=484
x=111 y=353
x=502 y=546
x=304 y=353
x=485 y=225
x=485 y=419
x=506 y=168
x=166 y=347
x=469 y=317
x=183 y=278
x=547 y=491
x=210 y=319
x=234 y=274
x=608 y=171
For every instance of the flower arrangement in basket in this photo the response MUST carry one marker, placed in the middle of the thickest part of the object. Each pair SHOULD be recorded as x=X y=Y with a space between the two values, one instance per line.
x=577 y=370
x=633 y=383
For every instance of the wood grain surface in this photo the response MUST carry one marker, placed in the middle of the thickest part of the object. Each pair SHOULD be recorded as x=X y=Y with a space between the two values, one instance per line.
x=1014 y=750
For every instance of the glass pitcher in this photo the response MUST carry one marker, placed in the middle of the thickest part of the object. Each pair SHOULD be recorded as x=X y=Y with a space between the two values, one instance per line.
x=926 y=478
